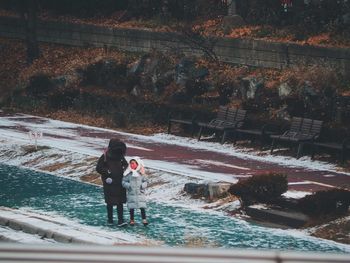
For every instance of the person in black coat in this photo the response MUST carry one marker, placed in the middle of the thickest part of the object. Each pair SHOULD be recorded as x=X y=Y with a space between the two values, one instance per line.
x=111 y=166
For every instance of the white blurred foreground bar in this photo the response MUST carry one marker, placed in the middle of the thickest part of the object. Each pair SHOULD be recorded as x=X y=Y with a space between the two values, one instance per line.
x=14 y=252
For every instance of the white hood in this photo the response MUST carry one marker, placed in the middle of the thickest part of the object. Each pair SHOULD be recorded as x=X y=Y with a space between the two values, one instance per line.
x=135 y=172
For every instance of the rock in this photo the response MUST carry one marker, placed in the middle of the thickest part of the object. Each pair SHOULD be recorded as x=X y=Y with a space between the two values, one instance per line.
x=186 y=69
x=308 y=90
x=66 y=81
x=160 y=82
x=154 y=72
x=284 y=217
x=195 y=87
x=190 y=78
x=151 y=63
x=197 y=190
x=283 y=113
x=136 y=91
x=308 y=94
x=138 y=66
x=181 y=79
x=210 y=191
x=250 y=87
x=217 y=190
x=284 y=90
x=199 y=73
x=183 y=71
x=146 y=65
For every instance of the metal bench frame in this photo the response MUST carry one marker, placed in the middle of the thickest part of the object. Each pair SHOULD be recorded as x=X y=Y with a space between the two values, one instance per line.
x=301 y=131
x=227 y=120
x=342 y=147
x=189 y=122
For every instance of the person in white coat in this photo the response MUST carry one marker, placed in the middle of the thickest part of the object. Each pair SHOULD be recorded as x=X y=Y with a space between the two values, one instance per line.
x=135 y=182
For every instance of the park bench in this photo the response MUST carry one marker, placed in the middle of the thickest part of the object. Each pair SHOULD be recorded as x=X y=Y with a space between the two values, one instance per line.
x=301 y=131
x=184 y=122
x=263 y=133
x=342 y=147
x=227 y=120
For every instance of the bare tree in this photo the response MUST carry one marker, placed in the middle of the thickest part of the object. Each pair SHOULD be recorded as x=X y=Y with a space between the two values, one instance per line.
x=196 y=40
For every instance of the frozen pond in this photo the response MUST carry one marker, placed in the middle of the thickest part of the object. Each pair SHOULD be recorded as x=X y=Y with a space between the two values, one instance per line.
x=175 y=226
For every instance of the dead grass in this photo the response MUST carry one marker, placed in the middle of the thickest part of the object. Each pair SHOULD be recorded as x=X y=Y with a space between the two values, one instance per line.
x=55 y=166
x=28 y=149
x=33 y=162
x=82 y=118
x=93 y=178
x=337 y=230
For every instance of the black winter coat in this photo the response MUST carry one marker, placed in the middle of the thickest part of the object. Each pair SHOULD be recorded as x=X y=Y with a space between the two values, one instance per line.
x=111 y=170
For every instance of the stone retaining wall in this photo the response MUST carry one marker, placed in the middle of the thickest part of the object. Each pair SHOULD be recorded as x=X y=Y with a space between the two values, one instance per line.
x=237 y=51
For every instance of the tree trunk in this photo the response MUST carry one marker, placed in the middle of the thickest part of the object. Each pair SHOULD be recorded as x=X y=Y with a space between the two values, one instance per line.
x=231 y=5
x=165 y=15
x=29 y=19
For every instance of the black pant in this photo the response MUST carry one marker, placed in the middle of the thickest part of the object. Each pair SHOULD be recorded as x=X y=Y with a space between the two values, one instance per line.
x=119 y=211
x=132 y=213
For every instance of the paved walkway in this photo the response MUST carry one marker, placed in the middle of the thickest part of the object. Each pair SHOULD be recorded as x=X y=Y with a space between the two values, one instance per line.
x=186 y=156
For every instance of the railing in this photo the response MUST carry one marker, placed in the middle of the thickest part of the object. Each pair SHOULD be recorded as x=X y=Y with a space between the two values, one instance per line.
x=14 y=252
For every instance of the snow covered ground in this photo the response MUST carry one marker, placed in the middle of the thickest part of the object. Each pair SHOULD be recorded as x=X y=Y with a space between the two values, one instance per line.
x=71 y=150
x=185 y=156
x=51 y=228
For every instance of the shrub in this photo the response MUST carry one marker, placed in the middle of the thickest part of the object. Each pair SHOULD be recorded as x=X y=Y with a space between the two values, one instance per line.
x=261 y=188
x=331 y=202
x=107 y=72
x=39 y=85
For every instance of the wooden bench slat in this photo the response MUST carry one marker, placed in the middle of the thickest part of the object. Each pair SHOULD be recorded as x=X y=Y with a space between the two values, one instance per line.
x=301 y=130
x=226 y=120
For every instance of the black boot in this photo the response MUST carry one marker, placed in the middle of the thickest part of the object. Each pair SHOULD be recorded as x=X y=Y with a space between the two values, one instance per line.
x=120 y=215
x=110 y=214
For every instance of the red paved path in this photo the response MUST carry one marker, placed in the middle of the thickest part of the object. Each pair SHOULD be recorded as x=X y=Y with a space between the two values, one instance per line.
x=199 y=159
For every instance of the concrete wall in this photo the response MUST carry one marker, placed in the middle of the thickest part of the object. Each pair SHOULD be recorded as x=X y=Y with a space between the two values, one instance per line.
x=237 y=51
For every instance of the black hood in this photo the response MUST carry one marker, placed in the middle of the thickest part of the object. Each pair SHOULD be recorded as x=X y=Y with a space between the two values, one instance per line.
x=116 y=147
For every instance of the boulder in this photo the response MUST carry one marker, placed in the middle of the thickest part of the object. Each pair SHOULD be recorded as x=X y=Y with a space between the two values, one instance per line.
x=162 y=80
x=183 y=71
x=210 y=191
x=197 y=190
x=136 y=91
x=138 y=66
x=283 y=113
x=218 y=190
x=284 y=90
x=250 y=87
x=308 y=90
x=67 y=80
x=150 y=65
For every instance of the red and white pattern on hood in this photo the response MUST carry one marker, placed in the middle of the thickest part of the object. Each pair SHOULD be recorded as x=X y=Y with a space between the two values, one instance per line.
x=139 y=168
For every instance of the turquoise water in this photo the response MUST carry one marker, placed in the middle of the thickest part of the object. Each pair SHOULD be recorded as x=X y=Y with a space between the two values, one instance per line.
x=175 y=226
